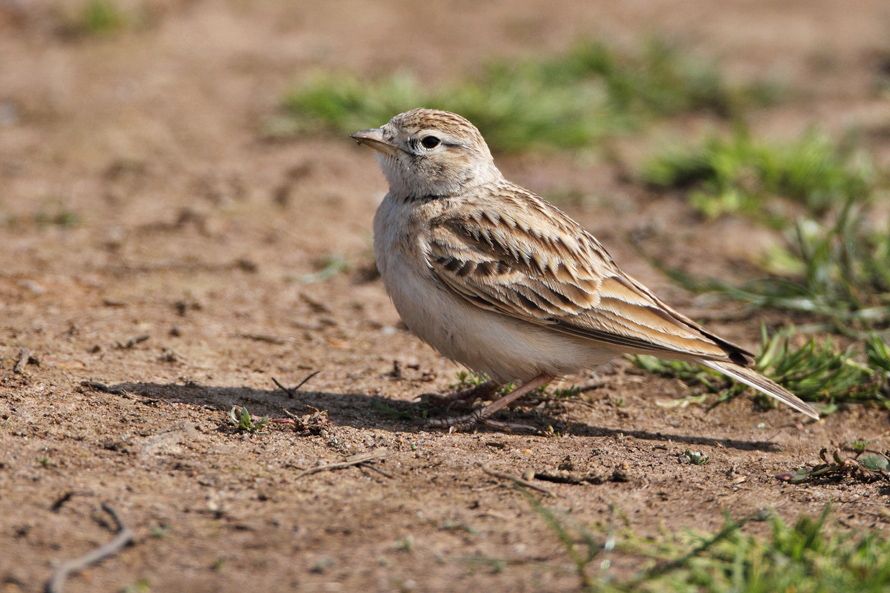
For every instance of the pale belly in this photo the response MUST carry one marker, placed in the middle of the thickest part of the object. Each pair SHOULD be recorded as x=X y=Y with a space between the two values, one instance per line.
x=504 y=348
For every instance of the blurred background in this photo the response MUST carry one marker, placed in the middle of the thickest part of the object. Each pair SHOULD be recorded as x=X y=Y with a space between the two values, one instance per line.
x=182 y=211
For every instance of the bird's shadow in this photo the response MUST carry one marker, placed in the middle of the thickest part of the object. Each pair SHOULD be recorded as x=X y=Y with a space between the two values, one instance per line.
x=365 y=411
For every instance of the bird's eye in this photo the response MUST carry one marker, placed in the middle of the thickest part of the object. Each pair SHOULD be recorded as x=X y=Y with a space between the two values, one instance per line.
x=429 y=141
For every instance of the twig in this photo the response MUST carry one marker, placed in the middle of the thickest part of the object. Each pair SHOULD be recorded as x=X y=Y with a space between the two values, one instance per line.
x=62 y=500
x=306 y=379
x=263 y=338
x=315 y=305
x=24 y=358
x=292 y=391
x=592 y=386
x=132 y=342
x=515 y=480
x=352 y=461
x=564 y=477
x=122 y=539
x=374 y=468
x=96 y=386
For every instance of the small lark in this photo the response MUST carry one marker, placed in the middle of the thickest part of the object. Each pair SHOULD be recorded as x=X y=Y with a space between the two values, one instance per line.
x=496 y=278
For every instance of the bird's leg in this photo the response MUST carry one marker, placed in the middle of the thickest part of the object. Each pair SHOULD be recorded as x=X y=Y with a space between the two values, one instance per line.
x=483 y=414
x=482 y=391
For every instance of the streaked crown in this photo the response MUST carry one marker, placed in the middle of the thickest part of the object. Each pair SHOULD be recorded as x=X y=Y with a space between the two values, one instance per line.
x=431 y=153
x=451 y=125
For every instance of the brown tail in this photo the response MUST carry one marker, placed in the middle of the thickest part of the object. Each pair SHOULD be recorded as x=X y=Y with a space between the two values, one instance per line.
x=754 y=379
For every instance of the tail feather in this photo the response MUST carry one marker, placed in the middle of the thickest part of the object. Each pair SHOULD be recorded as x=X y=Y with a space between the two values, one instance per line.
x=754 y=379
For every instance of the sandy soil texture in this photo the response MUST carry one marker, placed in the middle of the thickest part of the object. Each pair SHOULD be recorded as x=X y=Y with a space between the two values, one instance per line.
x=154 y=242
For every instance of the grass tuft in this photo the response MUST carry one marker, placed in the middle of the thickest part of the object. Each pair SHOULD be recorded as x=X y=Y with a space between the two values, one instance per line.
x=102 y=16
x=94 y=18
x=738 y=175
x=834 y=261
x=819 y=371
x=60 y=217
x=579 y=543
x=327 y=268
x=838 y=272
x=243 y=421
x=568 y=101
x=140 y=586
x=694 y=458
x=816 y=371
x=468 y=379
x=808 y=556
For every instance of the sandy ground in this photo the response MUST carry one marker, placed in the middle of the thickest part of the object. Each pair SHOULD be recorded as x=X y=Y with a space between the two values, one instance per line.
x=197 y=235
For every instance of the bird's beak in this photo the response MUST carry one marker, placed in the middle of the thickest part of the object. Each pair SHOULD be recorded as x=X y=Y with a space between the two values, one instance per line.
x=373 y=138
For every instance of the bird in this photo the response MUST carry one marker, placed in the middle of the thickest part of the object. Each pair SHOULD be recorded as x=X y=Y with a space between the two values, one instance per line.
x=496 y=278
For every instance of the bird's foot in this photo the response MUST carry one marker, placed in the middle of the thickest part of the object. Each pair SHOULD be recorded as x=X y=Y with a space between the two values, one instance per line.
x=483 y=415
x=457 y=423
x=475 y=418
x=484 y=391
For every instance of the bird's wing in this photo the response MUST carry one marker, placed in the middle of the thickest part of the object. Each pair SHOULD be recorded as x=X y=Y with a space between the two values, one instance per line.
x=517 y=255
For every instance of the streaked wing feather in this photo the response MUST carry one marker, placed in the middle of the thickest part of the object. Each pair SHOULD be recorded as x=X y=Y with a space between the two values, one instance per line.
x=530 y=261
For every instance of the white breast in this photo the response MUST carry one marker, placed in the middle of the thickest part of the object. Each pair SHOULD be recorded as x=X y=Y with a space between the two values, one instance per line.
x=505 y=348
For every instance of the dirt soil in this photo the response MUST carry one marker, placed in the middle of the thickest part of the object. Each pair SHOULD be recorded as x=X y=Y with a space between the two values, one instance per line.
x=155 y=243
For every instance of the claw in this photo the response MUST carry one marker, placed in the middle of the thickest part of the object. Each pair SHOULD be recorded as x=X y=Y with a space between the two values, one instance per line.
x=483 y=391
x=482 y=414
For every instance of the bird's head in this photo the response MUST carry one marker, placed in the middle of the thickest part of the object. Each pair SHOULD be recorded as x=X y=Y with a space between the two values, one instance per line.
x=426 y=152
